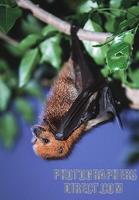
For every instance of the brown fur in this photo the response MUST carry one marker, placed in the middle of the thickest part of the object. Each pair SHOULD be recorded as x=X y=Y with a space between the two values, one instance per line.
x=63 y=94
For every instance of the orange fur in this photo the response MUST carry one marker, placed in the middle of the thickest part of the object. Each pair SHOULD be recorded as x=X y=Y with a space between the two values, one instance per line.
x=63 y=94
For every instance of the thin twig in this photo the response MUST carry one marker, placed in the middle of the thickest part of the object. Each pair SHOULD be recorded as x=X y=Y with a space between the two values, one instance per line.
x=59 y=24
x=8 y=39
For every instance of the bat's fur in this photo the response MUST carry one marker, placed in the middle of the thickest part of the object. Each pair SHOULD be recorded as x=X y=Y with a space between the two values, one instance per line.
x=62 y=94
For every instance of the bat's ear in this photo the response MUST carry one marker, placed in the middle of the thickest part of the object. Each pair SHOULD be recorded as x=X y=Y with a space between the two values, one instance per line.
x=37 y=130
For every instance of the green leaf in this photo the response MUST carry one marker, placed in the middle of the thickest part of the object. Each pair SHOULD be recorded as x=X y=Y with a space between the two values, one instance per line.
x=28 y=62
x=14 y=50
x=34 y=89
x=115 y=3
x=134 y=78
x=8 y=129
x=31 y=25
x=119 y=52
x=118 y=56
x=5 y=94
x=105 y=71
x=110 y=23
x=47 y=30
x=126 y=4
x=3 y=65
x=128 y=24
x=132 y=12
x=97 y=53
x=29 y=41
x=87 y=6
x=8 y=16
x=8 y=2
x=137 y=55
x=51 y=51
x=25 y=109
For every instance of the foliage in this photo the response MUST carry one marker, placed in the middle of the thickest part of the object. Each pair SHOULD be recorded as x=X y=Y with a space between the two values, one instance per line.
x=9 y=13
x=40 y=46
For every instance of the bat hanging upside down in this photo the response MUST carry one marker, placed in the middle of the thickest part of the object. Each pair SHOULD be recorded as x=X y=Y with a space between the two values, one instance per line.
x=78 y=100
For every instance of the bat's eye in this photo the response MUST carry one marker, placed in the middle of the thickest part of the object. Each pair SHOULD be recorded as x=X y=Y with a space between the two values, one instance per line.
x=45 y=140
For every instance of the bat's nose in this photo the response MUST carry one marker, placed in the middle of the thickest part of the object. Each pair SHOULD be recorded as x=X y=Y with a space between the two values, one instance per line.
x=59 y=136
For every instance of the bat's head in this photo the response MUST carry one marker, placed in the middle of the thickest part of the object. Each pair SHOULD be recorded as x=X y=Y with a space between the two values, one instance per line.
x=45 y=145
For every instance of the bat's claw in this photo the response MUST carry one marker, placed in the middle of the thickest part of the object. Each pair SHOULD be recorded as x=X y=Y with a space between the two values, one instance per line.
x=59 y=136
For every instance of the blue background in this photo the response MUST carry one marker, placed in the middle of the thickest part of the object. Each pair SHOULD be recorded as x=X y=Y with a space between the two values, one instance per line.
x=25 y=176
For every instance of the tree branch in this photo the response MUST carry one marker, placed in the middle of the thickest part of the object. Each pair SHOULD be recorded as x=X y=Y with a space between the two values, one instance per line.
x=59 y=24
x=7 y=39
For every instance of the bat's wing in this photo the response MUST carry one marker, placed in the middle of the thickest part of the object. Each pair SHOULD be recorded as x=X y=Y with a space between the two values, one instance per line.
x=107 y=105
x=79 y=60
x=94 y=105
x=94 y=101
x=84 y=108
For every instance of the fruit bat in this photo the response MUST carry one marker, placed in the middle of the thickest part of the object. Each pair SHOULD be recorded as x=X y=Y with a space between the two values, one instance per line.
x=79 y=99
